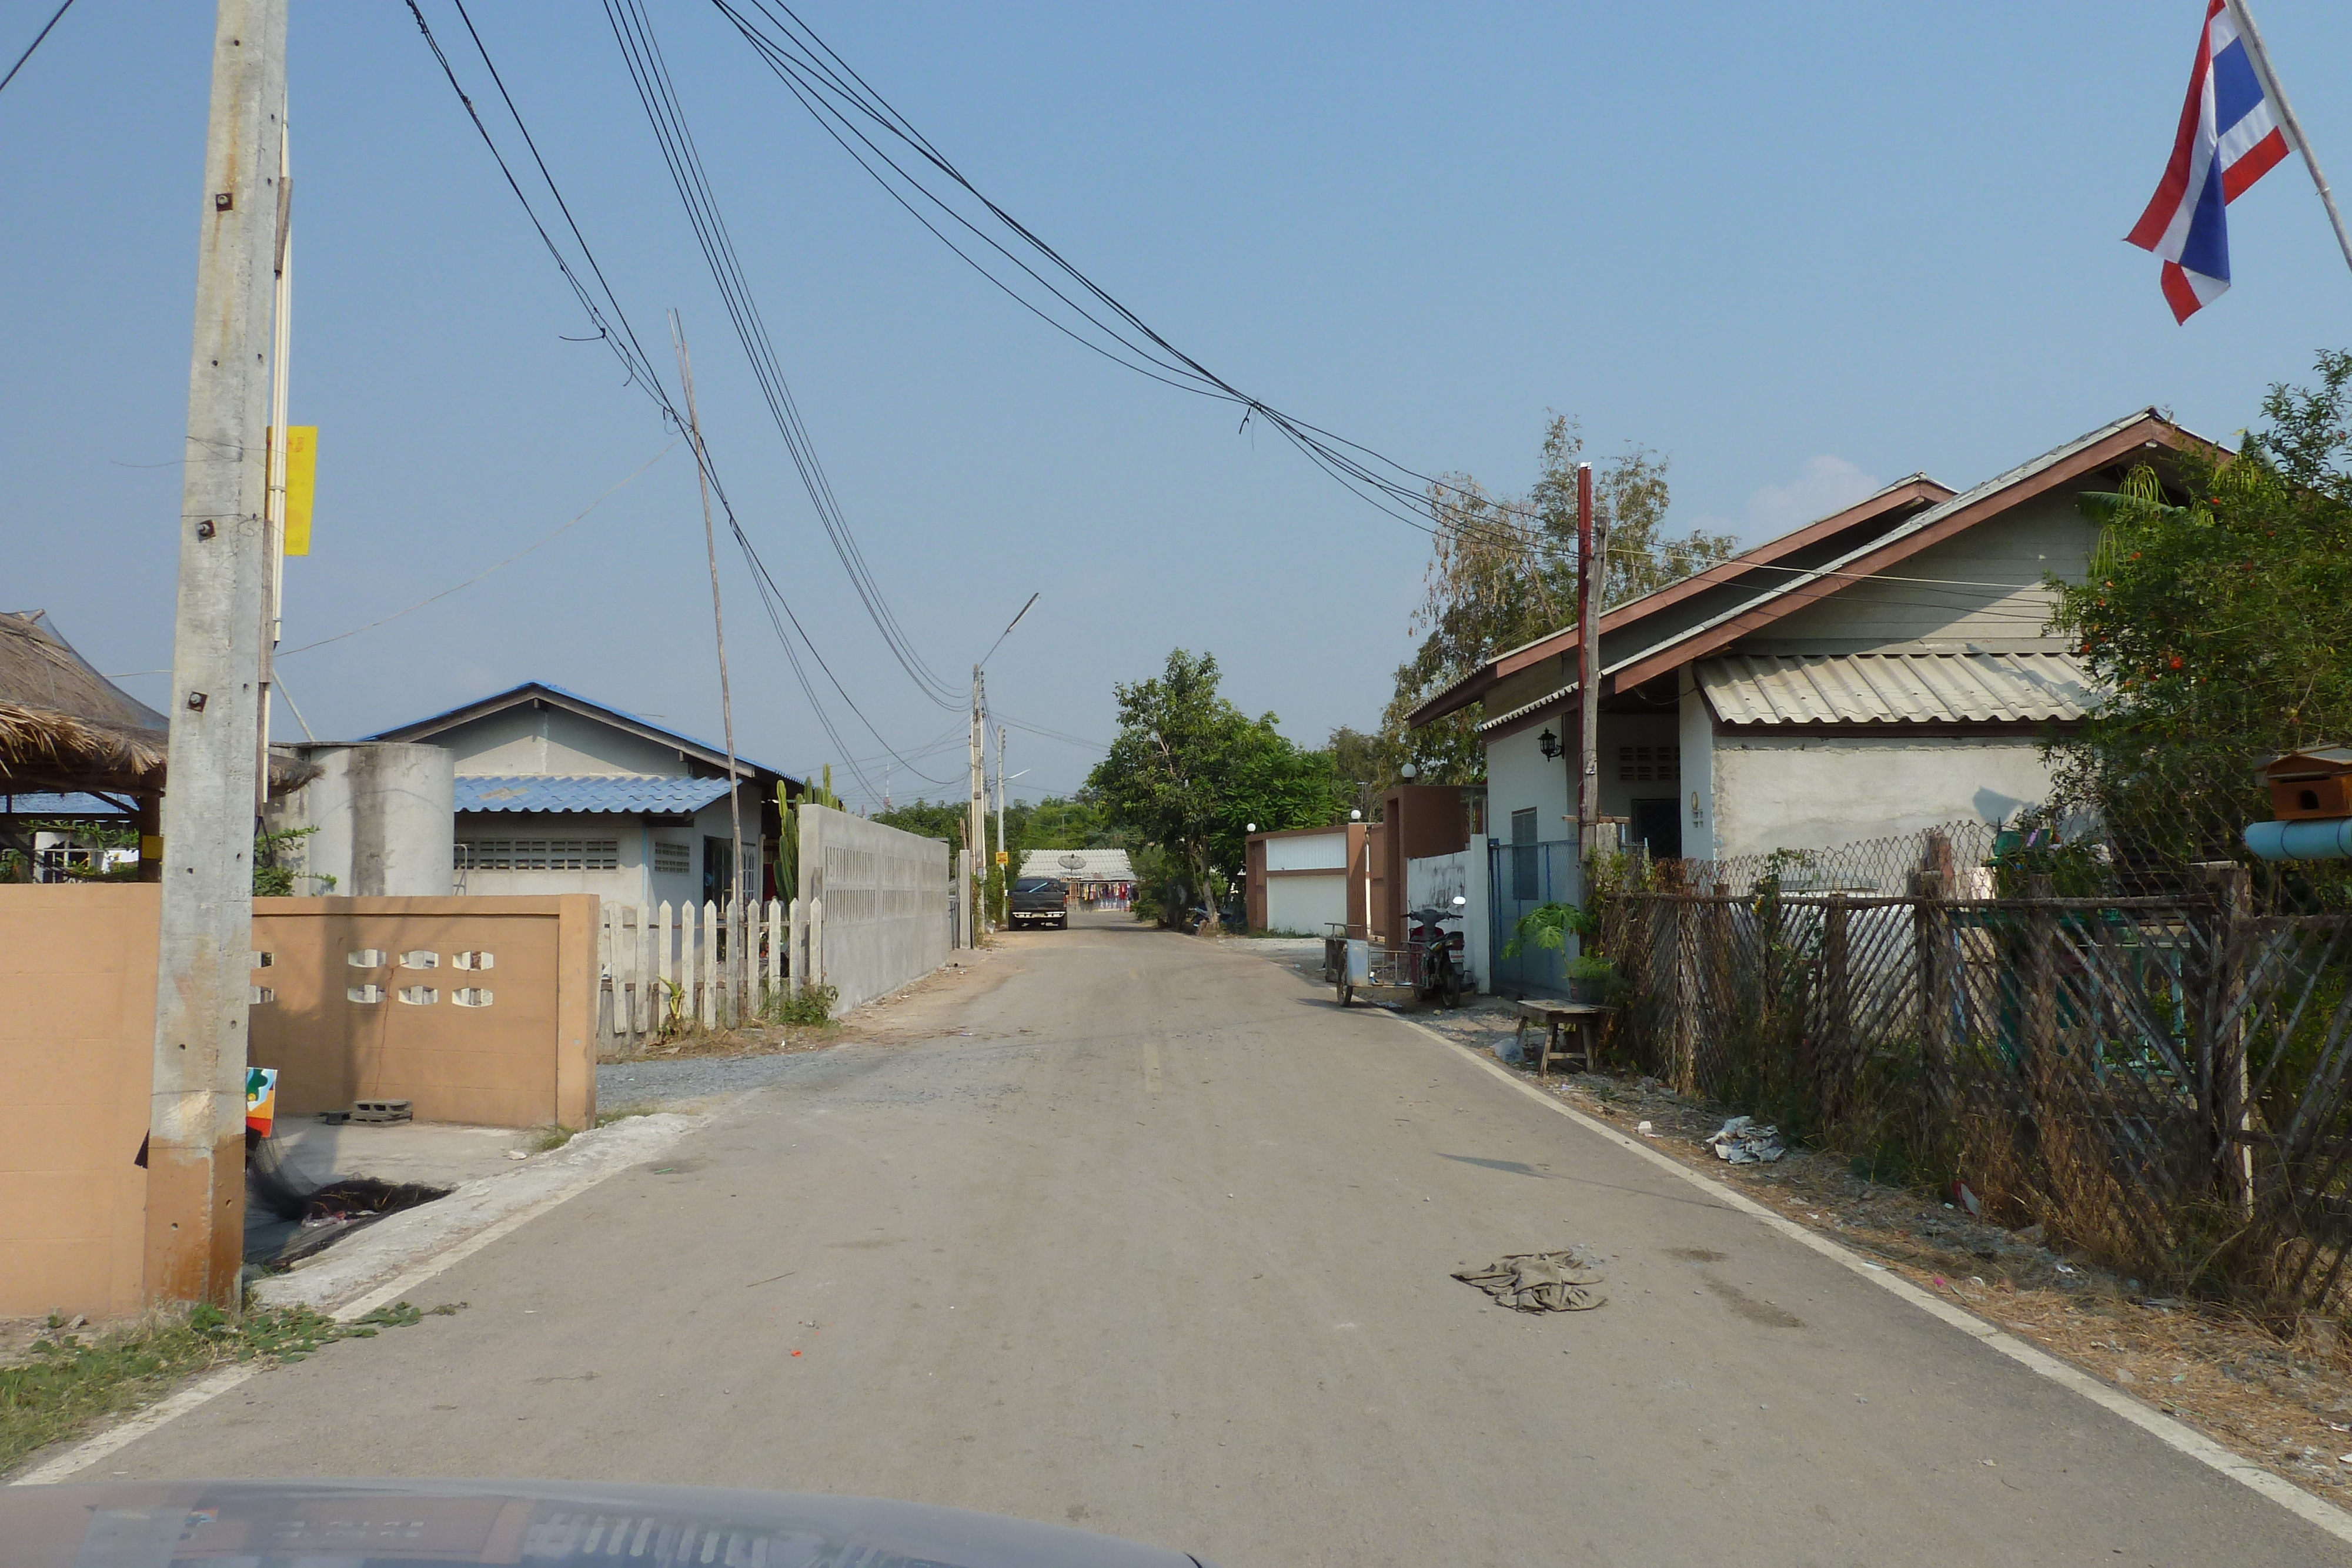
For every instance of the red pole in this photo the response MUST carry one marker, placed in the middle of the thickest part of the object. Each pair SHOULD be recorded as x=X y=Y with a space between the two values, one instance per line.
x=1588 y=599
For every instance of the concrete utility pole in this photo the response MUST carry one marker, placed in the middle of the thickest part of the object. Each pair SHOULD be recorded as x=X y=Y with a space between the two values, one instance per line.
x=195 y=1145
x=1001 y=846
x=975 y=835
x=738 y=906
x=1591 y=580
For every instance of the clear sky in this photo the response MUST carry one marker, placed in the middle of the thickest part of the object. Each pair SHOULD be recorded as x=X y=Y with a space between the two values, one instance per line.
x=1801 y=250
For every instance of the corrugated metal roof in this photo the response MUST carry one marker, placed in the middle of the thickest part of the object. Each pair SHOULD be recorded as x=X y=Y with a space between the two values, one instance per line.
x=574 y=793
x=54 y=805
x=1896 y=688
x=1094 y=865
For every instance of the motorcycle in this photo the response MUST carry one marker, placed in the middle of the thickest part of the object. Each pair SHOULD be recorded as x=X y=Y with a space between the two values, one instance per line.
x=1437 y=953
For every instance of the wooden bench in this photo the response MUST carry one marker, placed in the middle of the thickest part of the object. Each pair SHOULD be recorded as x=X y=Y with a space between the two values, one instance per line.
x=1557 y=1019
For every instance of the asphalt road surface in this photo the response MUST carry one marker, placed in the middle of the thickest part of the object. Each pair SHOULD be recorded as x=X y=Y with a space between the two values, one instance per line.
x=1161 y=1250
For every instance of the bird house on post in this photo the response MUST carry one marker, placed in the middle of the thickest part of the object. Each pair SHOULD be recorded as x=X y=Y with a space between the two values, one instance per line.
x=2310 y=786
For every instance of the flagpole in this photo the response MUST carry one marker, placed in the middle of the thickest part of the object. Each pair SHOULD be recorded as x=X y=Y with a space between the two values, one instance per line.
x=2277 y=94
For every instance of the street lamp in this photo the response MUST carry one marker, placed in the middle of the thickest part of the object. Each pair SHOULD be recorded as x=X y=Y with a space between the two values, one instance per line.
x=1408 y=772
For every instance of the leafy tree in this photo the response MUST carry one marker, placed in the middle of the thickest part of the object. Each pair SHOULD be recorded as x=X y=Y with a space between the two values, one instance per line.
x=1503 y=572
x=1188 y=772
x=1360 y=763
x=2217 y=615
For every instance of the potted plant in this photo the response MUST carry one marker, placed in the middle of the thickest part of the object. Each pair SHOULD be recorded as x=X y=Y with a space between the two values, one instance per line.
x=1590 y=977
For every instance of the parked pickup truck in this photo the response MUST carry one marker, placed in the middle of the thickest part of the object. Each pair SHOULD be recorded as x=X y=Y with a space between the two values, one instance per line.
x=1039 y=901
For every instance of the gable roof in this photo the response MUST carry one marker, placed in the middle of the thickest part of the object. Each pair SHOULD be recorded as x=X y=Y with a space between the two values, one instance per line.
x=1875 y=512
x=532 y=692
x=1779 y=591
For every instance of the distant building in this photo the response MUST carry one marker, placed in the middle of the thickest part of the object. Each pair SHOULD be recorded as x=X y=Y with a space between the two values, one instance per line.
x=1098 y=878
x=556 y=793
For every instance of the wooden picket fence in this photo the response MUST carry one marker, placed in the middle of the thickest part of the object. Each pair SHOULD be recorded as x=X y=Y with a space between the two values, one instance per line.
x=670 y=970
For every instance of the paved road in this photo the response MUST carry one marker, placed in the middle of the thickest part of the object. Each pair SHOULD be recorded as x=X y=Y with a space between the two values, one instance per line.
x=1161 y=1250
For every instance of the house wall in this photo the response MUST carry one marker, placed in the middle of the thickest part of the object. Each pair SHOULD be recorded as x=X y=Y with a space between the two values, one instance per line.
x=2048 y=533
x=1620 y=730
x=1696 y=729
x=556 y=740
x=77 y=1060
x=524 y=1057
x=626 y=883
x=1519 y=776
x=1795 y=792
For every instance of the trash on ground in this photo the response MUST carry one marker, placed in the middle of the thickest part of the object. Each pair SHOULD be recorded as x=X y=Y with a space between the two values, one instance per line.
x=1966 y=1198
x=1743 y=1143
x=1563 y=1281
x=1645 y=1129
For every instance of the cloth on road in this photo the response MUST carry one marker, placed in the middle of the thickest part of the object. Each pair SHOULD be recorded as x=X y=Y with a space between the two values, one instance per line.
x=1564 y=1282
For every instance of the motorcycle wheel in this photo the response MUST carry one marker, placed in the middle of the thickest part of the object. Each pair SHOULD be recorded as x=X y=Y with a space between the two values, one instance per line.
x=1346 y=993
x=1450 y=985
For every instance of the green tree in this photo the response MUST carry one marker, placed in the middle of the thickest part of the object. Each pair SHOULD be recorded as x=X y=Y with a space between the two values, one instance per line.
x=1503 y=572
x=788 y=841
x=1189 y=771
x=2217 y=616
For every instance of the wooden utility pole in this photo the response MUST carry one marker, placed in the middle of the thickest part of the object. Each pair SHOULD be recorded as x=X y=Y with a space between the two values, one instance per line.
x=736 y=904
x=203 y=971
x=1590 y=581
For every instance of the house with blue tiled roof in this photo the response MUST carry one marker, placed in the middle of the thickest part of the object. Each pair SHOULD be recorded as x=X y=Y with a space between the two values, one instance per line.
x=557 y=793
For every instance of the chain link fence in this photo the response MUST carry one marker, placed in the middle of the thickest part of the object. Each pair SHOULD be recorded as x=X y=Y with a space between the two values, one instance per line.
x=2148 y=1054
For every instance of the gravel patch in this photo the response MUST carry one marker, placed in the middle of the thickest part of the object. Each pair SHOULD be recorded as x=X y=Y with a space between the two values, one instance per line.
x=620 y=1084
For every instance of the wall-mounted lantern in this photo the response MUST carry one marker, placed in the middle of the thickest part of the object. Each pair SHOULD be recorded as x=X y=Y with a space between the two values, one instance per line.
x=1550 y=743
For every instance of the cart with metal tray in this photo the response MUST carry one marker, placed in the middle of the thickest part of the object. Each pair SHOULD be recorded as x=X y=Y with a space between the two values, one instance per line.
x=1370 y=971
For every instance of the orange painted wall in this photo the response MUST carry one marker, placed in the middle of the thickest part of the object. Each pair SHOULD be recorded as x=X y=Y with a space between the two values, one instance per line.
x=77 y=1054
x=526 y=1059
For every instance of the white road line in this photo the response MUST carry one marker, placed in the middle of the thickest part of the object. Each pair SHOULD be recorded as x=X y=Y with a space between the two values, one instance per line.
x=2180 y=1437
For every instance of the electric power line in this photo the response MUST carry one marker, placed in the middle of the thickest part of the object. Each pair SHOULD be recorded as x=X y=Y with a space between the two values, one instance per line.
x=53 y=21
x=625 y=347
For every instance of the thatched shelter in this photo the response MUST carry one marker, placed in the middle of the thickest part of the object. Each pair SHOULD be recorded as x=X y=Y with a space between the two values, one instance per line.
x=63 y=726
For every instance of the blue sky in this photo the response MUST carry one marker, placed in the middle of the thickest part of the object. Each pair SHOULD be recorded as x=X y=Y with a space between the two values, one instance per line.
x=1799 y=252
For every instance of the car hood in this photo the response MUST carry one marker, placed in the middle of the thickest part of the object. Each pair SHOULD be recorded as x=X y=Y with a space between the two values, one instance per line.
x=546 y=1524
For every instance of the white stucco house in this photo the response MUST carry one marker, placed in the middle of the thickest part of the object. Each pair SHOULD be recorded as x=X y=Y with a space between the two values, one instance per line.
x=556 y=793
x=1878 y=671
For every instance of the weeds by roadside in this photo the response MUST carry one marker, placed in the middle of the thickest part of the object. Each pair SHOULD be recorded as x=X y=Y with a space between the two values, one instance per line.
x=811 y=1005
x=67 y=1382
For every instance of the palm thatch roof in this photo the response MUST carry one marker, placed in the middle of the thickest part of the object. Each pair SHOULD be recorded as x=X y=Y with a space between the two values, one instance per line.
x=63 y=726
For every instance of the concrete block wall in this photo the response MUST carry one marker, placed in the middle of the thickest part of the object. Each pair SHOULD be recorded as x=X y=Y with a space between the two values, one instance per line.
x=884 y=894
x=521 y=1054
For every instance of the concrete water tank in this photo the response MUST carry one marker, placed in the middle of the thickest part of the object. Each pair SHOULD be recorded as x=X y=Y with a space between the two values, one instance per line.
x=386 y=820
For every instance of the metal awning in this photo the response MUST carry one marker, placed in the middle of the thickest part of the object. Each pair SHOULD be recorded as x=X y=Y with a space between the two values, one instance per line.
x=1957 y=687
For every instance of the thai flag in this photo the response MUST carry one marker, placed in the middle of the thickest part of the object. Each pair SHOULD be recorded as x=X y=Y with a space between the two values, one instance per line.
x=2231 y=134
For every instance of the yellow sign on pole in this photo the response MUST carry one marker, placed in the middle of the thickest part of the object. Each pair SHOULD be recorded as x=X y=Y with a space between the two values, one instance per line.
x=302 y=481
x=1004 y=857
